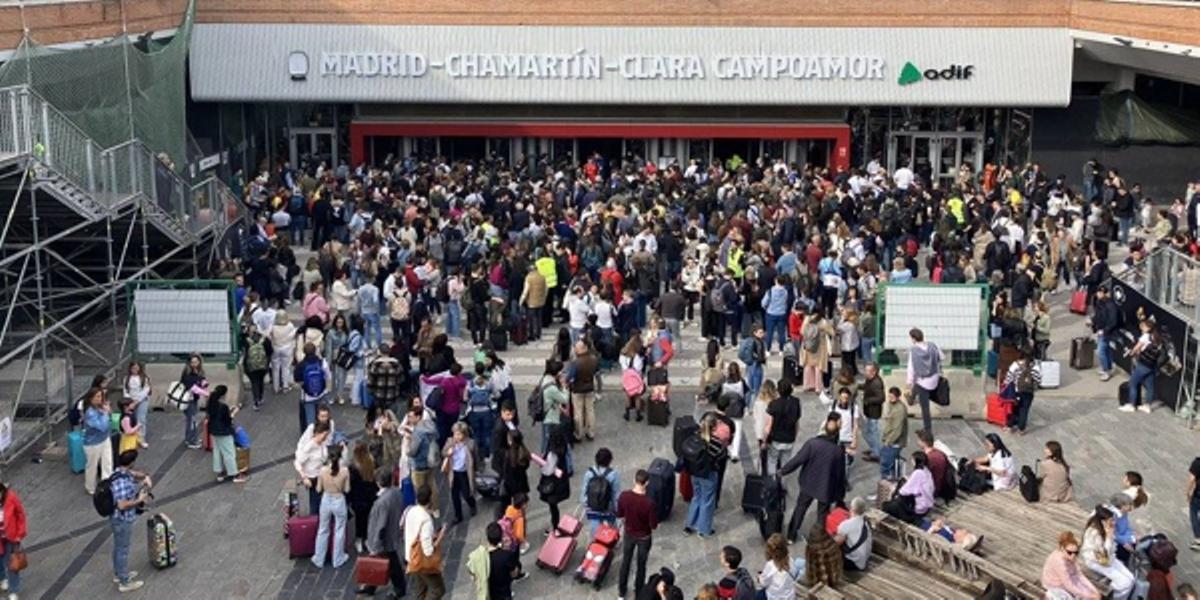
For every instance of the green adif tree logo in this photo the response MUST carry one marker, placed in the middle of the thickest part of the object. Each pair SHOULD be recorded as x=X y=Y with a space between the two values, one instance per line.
x=909 y=74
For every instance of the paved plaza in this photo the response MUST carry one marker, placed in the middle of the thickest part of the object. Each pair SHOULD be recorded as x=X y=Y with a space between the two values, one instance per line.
x=230 y=536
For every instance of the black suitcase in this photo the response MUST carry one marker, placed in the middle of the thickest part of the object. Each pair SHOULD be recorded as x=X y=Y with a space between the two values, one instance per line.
x=791 y=371
x=499 y=338
x=658 y=413
x=752 y=493
x=1123 y=393
x=1083 y=353
x=661 y=487
x=685 y=427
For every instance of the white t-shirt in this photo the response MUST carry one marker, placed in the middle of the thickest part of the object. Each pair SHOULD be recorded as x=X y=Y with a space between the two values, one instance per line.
x=903 y=177
x=776 y=584
x=846 y=434
x=1006 y=478
x=578 y=309
x=604 y=314
x=852 y=528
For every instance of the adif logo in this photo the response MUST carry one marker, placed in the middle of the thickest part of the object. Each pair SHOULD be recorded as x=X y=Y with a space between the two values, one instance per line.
x=911 y=74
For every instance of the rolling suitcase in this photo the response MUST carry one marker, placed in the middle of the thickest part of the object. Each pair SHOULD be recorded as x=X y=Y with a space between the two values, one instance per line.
x=774 y=499
x=371 y=571
x=752 y=493
x=75 y=452
x=1079 y=302
x=1083 y=351
x=658 y=413
x=161 y=541
x=291 y=507
x=686 y=491
x=560 y=545
x=207 y=439
x=599 y=556
x=998 y=410
x=499 y=338
x=1123 y=393
x=661 y=487
x=302 y=535
x=488 y=486
x=1051 y=374
x=520 y=333
x=791 y=371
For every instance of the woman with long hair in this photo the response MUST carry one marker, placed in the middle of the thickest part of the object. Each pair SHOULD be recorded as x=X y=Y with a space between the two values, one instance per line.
x=633 y=370
x=514 y=477
x=775 y=579
x=194 y=381
x=736 y=389
x=220 y=427
x=282 y=336
x=1146 y=353
x=998 y=463
x=333 y=483
x=335 y=339
x=363 y=491
x=1054 y=475
x=500 y=375
x=1061 y=575
x=137 y=389
x=1099 y=552
x=554 y=486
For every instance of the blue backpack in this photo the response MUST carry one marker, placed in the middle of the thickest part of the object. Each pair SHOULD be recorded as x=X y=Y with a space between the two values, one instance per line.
x=746 y=351
x=314 y=378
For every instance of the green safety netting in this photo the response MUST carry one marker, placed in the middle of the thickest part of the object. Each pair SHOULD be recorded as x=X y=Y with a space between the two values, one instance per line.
x=114 y=90
x=1127 y=119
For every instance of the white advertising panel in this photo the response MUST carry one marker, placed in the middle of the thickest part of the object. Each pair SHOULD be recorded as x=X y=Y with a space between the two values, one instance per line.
x=949 y=315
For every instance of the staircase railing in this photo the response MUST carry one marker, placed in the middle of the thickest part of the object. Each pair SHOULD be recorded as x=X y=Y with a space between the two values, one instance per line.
x=29 y=125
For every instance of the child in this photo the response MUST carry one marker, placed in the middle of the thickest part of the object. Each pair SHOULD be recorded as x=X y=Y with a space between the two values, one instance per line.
x=131 y=430
x=514 y=530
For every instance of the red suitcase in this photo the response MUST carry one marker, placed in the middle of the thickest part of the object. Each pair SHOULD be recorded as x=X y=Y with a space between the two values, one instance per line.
x=998 y=410
x=556 y=552
x=569 y=525
x=302 y=535
x=371 y=571
x=685 y=486
x=607 y=534
x=595 y=565
x=1079 y=302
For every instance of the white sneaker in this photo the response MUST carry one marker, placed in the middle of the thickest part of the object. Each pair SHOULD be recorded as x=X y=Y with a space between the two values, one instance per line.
x=1105 y=375
x=3 y=585
x=826 y=400
x=1145 y=408
x=130 y=586
x=1126 y=408
x=132 y=575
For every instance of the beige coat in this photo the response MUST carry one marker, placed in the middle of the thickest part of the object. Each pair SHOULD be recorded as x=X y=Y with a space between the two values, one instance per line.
x=535 y=290
x=1055 y=482
x=820 y=358
x=316 y=337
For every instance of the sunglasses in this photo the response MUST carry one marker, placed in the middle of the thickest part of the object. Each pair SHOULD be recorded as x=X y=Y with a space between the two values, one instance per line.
x=1071 y=552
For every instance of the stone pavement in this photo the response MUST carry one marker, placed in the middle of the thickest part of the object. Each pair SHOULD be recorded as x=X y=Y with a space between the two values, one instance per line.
x=230 y=536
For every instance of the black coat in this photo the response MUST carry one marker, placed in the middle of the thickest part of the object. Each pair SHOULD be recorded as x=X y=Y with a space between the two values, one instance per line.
x=822 y=464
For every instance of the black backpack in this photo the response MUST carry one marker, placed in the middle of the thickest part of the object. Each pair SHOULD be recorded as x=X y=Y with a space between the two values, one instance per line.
x=970 y=480
x=949 y=485
x=599 y=491
x=537 y=402
x=1029 y=484
x=103 y=498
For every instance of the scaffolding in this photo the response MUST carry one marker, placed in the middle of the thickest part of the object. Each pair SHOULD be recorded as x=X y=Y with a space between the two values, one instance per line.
x=79 y=221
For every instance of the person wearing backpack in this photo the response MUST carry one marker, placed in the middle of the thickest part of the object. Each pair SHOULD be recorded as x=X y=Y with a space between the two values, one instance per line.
x=119 y=499
x=737 y=583
x=1025 y=375
x=702 y=453
x=313 y=375
x=256 y=360
x=601 y=486
x=1149 y=355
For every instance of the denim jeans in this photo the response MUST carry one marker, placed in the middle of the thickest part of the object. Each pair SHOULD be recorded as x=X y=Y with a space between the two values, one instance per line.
x=299 y=226
x=453 y=318
x=639 y=312
x=1123 y=224
x=141 y=413
x=1106 y=361
x=888 y=455
x=700 y=511
x=308 y=414
x=778 y=454
x=372 y=330
x=1194 y=514
x=122 y=532
x=332 y=507
x=12 y=577
x=866 y=350
x=1141 y=374
x=1021 y=414
x=777 y=328
x=191 y=433
x=358 y=383
x=871 y=435
x=754 y=372
x=339 y=383
x=482 y=422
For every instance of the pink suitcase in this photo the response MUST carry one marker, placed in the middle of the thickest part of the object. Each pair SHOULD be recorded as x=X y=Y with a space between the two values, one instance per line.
x=556 y=552
x=570 y=526
x=302 y=535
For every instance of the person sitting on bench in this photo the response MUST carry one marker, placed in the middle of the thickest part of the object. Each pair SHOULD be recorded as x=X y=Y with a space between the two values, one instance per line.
x=915 y=498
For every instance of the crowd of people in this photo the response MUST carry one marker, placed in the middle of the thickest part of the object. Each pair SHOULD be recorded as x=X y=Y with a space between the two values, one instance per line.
x=760 y=258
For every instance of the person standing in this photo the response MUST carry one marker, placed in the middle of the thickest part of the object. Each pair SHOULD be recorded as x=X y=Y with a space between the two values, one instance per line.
x=384 y=534
x=775 y=305
x=702 y=458
x=256 y=361
x=196 y=384
x=332 y=483
x=895 y=435
x=583 y=394
x=363 y=491
x=533 y=298
x=220 y=427
x=97 y=423
x=601 y=488
x=420 y=435
x=783 y=417
x=310 y=455
x=756 y=353
x=923 y=372
x=1025 y=375
x=368 y=308
x=283 y=344
x=641 y=519
x=873 y=398
x=1147 y=353
x=458 y=464
x=127 y=496
x=313 y=375
x=138 y=389
x=424 y=548
x=13 y=529
x=1193 y=498
x=822 y=464
x=1106 y=324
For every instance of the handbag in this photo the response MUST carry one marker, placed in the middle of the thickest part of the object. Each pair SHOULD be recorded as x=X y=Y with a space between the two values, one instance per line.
x=18 y=560
x=419 y=564
x=345 y=357
x=941 y=395
x=547 y=487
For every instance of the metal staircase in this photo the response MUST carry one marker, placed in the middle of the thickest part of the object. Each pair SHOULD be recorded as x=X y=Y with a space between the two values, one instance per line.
x=96 y=183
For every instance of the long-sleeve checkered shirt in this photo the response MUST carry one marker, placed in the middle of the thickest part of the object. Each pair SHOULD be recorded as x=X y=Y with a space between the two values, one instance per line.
x=123 y=488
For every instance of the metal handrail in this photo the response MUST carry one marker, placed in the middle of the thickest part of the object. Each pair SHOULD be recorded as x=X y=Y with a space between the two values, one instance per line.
x=31 y=125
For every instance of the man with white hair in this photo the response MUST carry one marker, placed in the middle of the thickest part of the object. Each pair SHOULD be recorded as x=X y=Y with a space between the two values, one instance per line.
x=854 y=536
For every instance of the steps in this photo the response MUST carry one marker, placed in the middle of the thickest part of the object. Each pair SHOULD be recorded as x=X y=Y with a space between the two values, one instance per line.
x=69 y=194
x=169 y=225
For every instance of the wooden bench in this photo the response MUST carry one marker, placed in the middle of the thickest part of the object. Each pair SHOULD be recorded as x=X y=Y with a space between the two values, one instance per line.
x=1018 y=536
x=887 y=580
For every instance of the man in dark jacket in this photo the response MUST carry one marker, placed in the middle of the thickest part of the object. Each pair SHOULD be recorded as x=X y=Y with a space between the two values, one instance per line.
x=822 y=464
x=1022 y=290
x=583 y=390
x=1106 y=322
x=384 y=536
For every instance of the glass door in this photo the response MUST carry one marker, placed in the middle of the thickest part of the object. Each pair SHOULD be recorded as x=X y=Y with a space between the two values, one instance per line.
x=313 y=145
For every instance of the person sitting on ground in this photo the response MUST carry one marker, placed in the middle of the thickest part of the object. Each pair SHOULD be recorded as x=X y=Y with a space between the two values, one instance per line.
x=1132 y=486
x=998 y=463
x=955 y=535
x=823 y=558
x=1054 y=477
x=1061 y=574
x=661 y=586
x=1099 y=552
x=1120 y=505
x=915 y=498
x=854 y=537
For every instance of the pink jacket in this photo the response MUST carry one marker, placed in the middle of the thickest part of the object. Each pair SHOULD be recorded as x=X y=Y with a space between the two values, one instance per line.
x=316 y=306
x=1061 y=572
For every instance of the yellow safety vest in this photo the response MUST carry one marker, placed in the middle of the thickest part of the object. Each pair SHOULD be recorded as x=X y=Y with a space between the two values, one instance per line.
x=545 y=265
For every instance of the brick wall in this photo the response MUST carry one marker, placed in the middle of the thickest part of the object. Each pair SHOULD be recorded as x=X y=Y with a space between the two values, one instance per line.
x=74 y=21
